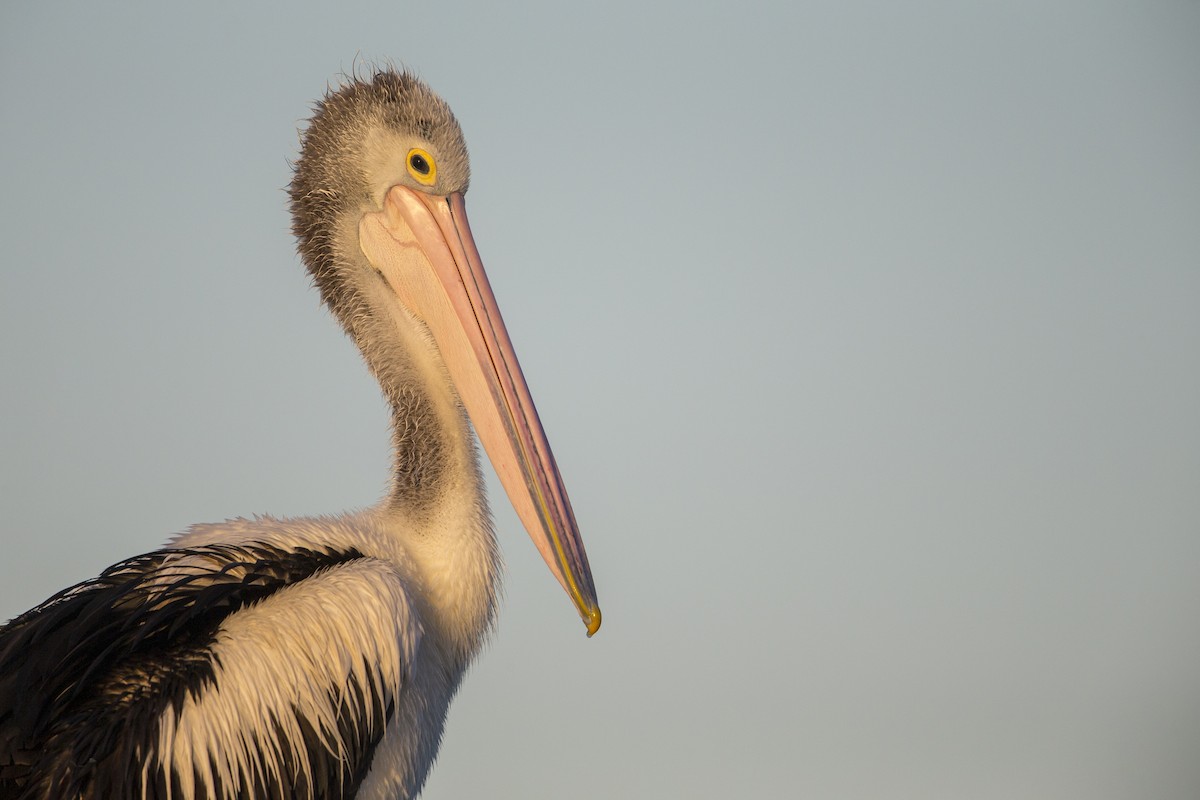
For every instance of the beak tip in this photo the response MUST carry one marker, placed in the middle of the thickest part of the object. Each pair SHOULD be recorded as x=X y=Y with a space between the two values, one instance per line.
x=593 y=621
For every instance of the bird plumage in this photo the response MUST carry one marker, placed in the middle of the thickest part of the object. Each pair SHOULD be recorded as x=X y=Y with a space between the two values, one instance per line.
x=119 y=664
x=308 y=658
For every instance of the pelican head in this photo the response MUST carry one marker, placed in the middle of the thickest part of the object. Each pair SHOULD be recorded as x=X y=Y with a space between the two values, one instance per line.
x=379 y=212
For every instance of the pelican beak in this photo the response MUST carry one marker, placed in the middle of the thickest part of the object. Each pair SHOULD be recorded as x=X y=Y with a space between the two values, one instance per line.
x=422 y=245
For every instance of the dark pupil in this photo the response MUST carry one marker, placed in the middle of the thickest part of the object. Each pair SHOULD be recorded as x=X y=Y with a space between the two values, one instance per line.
x=419 y=164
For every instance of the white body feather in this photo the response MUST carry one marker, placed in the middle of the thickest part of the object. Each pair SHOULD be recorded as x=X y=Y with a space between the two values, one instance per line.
x=406 y=619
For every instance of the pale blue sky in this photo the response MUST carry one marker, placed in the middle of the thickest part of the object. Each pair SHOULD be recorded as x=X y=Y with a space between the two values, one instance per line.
x=865 y=334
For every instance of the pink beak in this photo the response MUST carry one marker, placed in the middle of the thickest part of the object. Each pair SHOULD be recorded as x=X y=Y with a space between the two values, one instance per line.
x=446 y=287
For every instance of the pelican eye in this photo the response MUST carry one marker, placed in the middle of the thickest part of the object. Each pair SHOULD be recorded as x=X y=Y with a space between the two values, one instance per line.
x=422 y=166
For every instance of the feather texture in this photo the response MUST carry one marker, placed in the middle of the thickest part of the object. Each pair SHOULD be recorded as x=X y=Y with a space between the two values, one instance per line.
x=159 y=689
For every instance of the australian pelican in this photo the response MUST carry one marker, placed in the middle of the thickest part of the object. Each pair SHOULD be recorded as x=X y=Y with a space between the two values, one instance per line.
x=316 y=658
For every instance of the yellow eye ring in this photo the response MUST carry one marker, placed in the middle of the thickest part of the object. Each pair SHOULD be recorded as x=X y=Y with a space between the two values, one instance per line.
x=422 y=166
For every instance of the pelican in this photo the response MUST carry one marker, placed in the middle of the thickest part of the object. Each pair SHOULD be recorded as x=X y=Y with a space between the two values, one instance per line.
x=317 y=657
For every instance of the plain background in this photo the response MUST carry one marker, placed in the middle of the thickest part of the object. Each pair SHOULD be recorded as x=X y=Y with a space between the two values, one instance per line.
x=866 y=336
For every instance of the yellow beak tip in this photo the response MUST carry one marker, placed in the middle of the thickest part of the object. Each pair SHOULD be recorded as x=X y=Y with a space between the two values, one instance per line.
x=593 y=621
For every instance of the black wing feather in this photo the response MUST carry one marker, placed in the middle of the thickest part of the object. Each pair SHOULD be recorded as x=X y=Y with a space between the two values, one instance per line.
x=85 y=675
